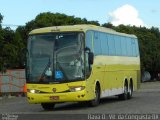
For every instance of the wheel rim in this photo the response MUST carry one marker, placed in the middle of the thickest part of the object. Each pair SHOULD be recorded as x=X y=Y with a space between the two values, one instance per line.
x=130 y=90
x=125 y=90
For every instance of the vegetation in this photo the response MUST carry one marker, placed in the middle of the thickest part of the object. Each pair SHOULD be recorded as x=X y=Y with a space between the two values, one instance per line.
x=11 y=42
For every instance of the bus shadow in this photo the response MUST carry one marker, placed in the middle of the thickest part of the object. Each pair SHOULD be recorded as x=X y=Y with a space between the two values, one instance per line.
x=71 y=106
x=109 y=100
x=84 y=105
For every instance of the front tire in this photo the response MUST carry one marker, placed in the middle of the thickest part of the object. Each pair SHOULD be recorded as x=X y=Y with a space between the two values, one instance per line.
x=48 y=106
x=96 y=101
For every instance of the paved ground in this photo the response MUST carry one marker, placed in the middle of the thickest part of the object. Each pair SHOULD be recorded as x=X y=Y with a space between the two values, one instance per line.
x=145 y=100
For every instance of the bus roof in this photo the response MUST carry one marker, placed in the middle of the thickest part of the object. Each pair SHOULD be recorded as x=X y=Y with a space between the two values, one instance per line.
x=83 y=27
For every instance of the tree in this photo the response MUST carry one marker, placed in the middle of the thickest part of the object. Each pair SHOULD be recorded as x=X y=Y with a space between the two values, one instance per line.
x=1 y=18
x=55 y=19
x=1 y=43
x=108 y=25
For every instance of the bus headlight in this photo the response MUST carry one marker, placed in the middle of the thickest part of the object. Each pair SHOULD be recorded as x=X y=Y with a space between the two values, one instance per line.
x=76 y=88
x=33 y=91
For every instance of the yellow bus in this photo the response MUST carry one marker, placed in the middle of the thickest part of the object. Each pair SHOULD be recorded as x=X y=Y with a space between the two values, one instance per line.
x=80 y=63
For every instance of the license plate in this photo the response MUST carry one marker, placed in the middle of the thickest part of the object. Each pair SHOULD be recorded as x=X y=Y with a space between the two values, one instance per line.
x=54 y=97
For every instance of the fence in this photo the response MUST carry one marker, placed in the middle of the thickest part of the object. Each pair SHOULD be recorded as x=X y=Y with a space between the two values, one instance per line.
x=12 y=81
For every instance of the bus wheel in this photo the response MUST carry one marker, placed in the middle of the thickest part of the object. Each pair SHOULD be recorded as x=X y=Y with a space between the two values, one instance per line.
x=130 y=92
x=47 y=106
x=96 y=101
x=124 y=96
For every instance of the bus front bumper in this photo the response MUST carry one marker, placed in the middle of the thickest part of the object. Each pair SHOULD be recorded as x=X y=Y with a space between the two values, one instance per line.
x=58 y=97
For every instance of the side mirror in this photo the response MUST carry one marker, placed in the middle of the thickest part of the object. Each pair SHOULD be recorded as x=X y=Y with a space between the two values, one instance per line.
x=90 y=58
x=90 y=55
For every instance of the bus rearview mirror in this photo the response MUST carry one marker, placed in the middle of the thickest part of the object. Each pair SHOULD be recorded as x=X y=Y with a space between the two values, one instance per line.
x=90 y=58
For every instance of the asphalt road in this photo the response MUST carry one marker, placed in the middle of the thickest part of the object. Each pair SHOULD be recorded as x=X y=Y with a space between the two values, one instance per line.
x=145 y=101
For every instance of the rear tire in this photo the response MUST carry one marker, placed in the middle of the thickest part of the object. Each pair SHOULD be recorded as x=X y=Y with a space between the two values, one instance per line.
x=130 y=91
x=124 y=96
x=48 y=106
x=96 y=101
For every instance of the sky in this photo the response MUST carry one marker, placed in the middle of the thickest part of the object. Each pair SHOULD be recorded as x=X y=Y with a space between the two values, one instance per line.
x=128 y=12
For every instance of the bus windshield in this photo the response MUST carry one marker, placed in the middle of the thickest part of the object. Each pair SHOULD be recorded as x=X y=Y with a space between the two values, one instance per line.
x=55 y=57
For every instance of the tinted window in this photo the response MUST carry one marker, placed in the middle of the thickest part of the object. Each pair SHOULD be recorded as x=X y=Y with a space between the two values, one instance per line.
x=118 y=45
x=89 y=39
x=137 y=48
x=133 y=47
x=129 y=47
x=111 y=44
x=123 y=46
x=104 y=43
x=97 y=44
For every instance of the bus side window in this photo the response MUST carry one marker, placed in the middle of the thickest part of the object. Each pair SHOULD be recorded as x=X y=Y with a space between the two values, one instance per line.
x=89 y=42
x=97 y=44
x=124 y=46
x=104 y=44
x=118 y=45
x=111 y=45
x=88 y=61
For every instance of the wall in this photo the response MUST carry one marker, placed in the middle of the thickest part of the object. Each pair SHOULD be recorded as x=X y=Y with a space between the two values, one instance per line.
x=12 y=81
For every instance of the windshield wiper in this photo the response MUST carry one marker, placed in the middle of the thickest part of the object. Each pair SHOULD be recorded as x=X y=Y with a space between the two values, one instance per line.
x=60 y=67
x=43 y=73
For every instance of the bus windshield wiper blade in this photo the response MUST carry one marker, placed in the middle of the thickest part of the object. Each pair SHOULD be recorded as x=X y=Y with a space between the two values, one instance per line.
x=60 y=67
x=43 y=73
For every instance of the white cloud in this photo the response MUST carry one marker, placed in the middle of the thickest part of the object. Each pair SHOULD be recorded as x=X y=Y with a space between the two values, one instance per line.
x=126 y=15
